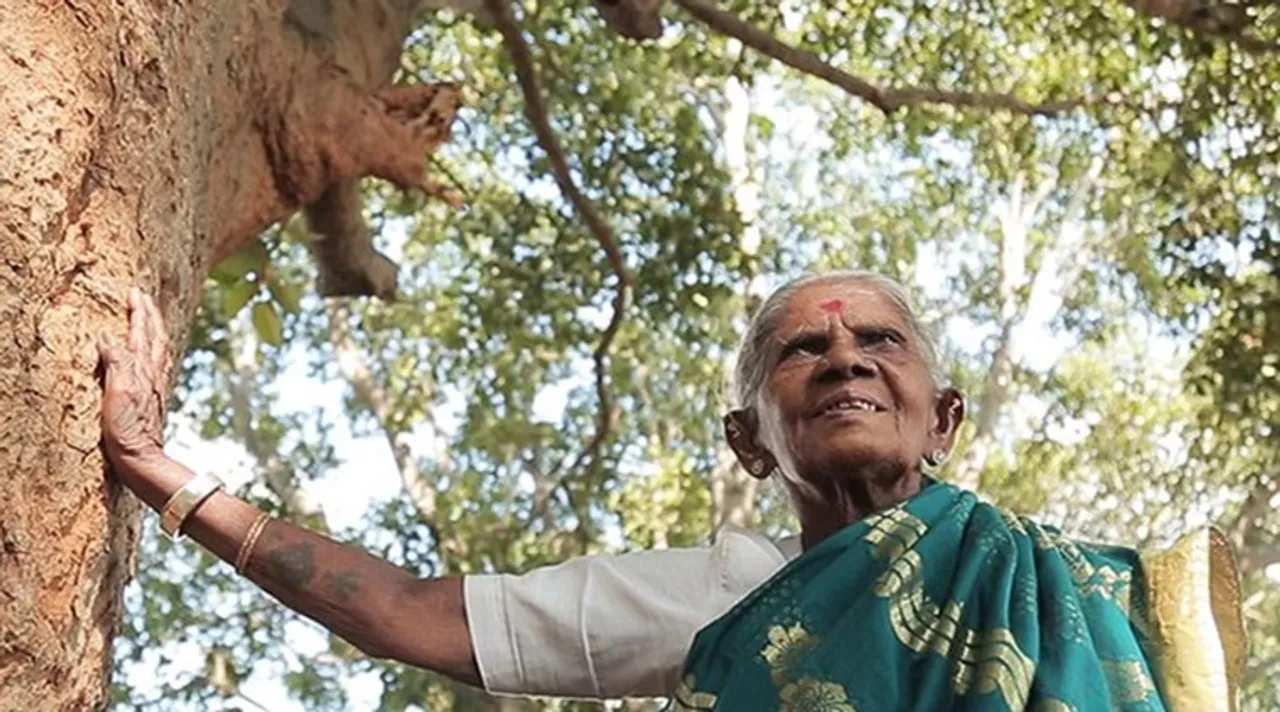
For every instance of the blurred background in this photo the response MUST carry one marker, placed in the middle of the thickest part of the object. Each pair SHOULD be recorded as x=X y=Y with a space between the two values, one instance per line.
x=1089 y=219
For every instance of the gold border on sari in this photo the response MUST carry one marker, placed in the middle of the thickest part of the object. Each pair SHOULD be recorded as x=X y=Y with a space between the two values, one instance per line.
x=1193 y=611
x=689 y=699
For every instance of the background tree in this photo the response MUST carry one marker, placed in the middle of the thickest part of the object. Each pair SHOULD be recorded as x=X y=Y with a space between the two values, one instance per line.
x=1085 y=199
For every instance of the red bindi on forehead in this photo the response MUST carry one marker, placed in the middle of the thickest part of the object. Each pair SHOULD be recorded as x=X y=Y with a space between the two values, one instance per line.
x=832 y=306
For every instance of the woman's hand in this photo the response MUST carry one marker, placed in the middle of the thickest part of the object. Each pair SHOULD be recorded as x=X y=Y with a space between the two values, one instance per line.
x=378 y=607
x=134 y=381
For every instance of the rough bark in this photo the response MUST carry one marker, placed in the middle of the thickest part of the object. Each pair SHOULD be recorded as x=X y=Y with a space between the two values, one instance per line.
x=143 y=141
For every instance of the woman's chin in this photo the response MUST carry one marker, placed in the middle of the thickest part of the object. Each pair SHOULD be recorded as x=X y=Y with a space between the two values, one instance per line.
x=857 y=459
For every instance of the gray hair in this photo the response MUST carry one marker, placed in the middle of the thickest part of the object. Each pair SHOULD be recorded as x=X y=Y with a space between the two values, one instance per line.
x=751 y=370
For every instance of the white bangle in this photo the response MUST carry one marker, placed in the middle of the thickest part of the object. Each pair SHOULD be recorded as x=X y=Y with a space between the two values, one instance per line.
x=185 y=501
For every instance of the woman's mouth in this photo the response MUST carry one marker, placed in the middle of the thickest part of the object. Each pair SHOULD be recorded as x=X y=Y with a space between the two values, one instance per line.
x=847 y=403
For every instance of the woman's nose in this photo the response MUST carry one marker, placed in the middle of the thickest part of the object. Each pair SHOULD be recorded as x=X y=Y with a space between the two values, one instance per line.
x=847 y=359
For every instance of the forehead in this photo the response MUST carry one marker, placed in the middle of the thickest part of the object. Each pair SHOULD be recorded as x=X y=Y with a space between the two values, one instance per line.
x=856 y=301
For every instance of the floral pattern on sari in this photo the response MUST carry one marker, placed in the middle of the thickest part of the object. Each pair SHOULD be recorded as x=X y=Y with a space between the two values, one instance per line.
x=786 y=646
x=810 y=695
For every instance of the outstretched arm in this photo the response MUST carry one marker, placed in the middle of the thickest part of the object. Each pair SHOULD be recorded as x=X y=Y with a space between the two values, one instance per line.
x=381 y=609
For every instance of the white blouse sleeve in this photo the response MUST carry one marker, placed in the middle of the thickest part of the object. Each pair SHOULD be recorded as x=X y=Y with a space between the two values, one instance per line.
x=608 y=626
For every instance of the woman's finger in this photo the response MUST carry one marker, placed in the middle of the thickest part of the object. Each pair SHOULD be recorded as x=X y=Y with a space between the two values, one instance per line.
x=159 y=352
x=110 y=355
x=137 y=323
x=147 y=315
x=117 y=373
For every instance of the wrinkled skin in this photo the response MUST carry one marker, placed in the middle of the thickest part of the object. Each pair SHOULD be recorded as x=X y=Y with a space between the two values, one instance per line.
x=134 y=380
x=845 y=341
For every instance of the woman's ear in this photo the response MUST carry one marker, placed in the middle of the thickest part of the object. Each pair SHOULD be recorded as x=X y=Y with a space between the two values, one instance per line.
x=949 y=412
x=741 y=431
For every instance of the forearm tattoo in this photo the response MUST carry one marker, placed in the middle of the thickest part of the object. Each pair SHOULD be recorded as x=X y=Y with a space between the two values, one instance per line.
x=300 y=564
x=289 y=564
x=293 y=565
x=343 y=585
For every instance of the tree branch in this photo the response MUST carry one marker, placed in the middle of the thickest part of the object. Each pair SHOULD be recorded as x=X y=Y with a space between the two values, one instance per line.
x=1063 y=261
x=885 y=99
x=1256 y=555
x=318 y=128
x=1256 y=506
x=1211 y=18
x=355 y=369
x=634 y=19
x=1259 y=557
x=252 y=702
x=535 y=110
x=275 y=470
x=733 y=491
x=1016 y=220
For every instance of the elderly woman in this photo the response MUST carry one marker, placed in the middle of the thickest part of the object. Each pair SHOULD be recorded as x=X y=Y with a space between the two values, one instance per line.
x=899 y=592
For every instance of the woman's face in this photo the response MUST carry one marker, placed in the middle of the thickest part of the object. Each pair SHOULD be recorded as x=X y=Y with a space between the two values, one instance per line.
x=851 y=394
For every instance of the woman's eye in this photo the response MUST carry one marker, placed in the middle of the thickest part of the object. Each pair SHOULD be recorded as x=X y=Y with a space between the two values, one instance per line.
x=877 y=338
x=811 y=346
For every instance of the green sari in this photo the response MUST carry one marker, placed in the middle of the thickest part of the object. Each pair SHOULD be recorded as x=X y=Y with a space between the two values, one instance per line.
x=947 y=603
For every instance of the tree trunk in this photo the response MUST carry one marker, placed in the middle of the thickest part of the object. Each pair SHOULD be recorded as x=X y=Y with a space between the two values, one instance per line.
x=143 y=141
x=733 y=491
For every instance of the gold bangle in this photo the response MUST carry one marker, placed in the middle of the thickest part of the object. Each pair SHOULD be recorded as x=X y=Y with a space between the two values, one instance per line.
x=185 y=501
x=251 y=540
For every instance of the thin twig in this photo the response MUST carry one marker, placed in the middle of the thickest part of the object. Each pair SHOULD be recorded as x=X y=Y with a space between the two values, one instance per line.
x=256 y=704
x=435 y=162
x=535 y=110
x=886 y=99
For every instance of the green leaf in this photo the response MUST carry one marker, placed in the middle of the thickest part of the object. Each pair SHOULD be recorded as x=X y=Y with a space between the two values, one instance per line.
x=266 y=321
x=1161 y=161
x=235 y=296
x=285 y=294
x=250 y=258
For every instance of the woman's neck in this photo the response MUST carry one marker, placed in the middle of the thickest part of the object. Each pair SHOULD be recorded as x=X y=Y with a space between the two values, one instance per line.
x=847 y=500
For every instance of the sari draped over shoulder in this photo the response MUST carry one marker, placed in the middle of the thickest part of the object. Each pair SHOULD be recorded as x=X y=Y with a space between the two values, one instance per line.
x=947 y=603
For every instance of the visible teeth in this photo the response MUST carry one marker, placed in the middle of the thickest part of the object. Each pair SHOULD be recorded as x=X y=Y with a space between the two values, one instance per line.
x=852 y=405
